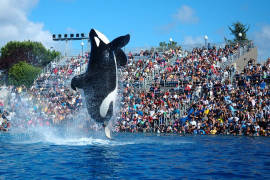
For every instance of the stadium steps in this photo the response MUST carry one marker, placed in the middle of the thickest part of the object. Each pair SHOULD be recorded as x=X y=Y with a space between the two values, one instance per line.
x=240 y=58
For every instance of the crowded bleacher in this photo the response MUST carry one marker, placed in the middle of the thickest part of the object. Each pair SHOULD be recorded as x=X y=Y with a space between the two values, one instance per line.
x=194 y=95
x=172 y=92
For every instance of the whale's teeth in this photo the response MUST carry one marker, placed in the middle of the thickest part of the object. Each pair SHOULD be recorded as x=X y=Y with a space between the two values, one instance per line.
x=102 y=37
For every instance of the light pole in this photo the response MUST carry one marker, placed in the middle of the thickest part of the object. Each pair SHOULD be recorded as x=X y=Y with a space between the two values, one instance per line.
x=240 y=38
x=82 y=44
x=171 y=40
x=205 y=40
x=240 y=35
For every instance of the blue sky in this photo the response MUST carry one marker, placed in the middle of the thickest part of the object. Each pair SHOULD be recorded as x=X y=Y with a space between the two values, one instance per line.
x=149 y=22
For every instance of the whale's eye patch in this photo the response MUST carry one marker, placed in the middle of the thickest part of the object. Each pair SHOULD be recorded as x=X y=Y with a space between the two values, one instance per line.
x=97 y=41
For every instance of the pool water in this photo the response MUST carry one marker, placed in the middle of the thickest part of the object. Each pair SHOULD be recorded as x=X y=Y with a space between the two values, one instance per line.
x=133 y=156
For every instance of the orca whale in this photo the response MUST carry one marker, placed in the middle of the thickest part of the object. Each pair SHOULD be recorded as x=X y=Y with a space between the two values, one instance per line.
x=100 y=81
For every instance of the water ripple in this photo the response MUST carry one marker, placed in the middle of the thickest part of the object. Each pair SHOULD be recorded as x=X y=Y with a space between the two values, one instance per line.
x=131 y=156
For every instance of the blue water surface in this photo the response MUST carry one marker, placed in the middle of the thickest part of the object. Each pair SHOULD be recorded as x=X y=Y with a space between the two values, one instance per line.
x=131 y=156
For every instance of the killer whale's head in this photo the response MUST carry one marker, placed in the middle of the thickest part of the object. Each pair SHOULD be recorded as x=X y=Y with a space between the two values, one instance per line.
x=104 y=52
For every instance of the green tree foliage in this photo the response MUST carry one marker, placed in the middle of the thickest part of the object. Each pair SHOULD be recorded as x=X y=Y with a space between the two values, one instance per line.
x=23 y=73
x=32 y=52
x=171 y=45
x=163 y=44
x=51 y=56
x=239 y=31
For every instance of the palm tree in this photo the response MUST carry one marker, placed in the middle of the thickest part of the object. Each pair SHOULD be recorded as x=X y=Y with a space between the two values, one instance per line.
x=239 y=31
x=163 y=45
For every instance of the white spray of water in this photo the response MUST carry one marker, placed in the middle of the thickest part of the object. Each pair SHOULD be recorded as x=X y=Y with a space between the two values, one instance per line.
x=79 y=130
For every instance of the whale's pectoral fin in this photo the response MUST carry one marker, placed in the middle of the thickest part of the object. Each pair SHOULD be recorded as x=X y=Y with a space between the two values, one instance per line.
x=78 y=82
x=119 y=42
x=121 y=58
